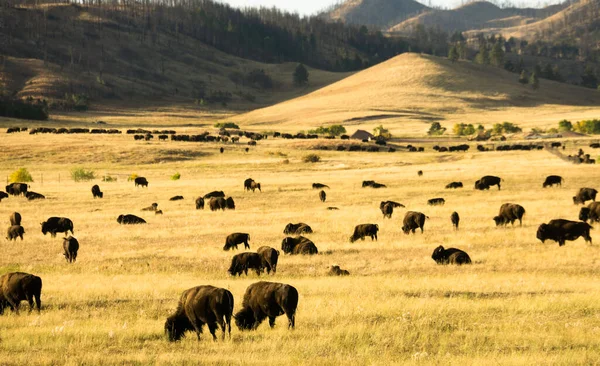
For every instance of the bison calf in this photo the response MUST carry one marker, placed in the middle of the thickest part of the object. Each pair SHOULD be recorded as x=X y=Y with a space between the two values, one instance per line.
x=455 y=219
x=450 y=256
x=18 y=286
x=243 y=262
x=363 y=230
x=234 y=239
x=267 y=300
x=70 y=246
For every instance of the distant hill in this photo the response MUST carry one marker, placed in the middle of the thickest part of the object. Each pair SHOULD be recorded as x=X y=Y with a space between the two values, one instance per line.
x=378 y=13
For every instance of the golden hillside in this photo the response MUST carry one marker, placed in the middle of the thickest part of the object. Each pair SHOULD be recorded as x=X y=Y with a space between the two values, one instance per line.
x=410 y=91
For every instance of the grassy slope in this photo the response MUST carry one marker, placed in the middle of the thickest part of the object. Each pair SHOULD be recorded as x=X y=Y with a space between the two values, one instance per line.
x=521 y=302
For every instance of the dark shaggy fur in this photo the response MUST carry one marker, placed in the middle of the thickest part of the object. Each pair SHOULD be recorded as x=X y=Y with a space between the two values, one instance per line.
x=319 y=186
x=299 y=245
x=510 y=212
x=199 y=203
x=141 y=181
x=15 y=218
x=450 y=256
x=18 y=286
x=436 y=202
x=455 y=219
x=387 y=210
x=70 y=246
x=412 y=221
x=130 y=219
x=214 y=194
x=34 y=196
x=243 y=262
x=363 y=230
x=267 y=300
x=232 y=241
x=561 y=230
x=454 y=185
x=3 y=195
x=14 y=232
x=592 y=212
x=269 y=257
x=322 y=196
x=552 y=180
x=585 y=194
x=198 y=306
x=337 y=271
x=297 y=229
x=176 y=198
x=57 y=225
x=487 y=181
x=96 y=192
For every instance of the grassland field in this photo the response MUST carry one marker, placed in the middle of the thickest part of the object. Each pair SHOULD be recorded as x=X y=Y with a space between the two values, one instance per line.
x=521 y=302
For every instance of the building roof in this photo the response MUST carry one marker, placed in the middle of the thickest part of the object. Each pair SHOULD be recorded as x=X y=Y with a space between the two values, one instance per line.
x=361 y=135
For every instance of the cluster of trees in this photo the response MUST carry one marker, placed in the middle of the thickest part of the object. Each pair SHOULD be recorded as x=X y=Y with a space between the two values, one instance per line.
x=24 y=109
x=505 y=127
x=333 y=130
x=256 y=78
x=463 y=129
x=591 y=126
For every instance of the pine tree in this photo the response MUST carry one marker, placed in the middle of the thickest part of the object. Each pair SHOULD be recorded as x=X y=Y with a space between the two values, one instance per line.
x=523 y=77
x=453 y=54
x=300 y=75
x=497 y=54
x=534 y=81
x=483 y=57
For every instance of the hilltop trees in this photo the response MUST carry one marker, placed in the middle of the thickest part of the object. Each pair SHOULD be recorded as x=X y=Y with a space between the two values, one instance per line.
x=497 y=54
x=534 y=81
x=300 y=75
x=453 y=54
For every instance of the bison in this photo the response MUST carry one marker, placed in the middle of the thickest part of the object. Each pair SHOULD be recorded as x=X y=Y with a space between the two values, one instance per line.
x=269 y=257
x=57 y=225
x=337 y=271
x=96 y=192
x=34 y=196
x=367 y=183
x=198 y=306
x=299 y=245
x=552 y=180
x=15 y=218
x=297 y=229
x=176 y=198
x=14 y=232
x=319 y=186
x=130 y=219
x=455 y=219
x=17 y=189
x=234 y=239
x=243 y=262
x=152 y=207
x=387 y=210
x=592 y=212
x=436 y=202
x=214 y=194
x=71 y=246
x=393 y=203
x=454 y=185
x=18 y=286
x=363 y=230
x=420 y=173
x=322 y=196
x=487 y=181
x=3 y=195
x=248 y=184
x=510 y=212
x=267 y=300
x=199 y=203
x=220 y=203
x=585 y=194
x=413 y=220
x=450 y=256
x=141 y=181
x=561 y=230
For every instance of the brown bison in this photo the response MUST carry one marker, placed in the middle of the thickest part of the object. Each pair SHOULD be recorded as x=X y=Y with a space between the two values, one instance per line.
x=71 y=246
x=487 y=181
x=57 y=225
x=254 y=186
x=510 y=212
x=454 y=185
x=17 y=189
x=337 y=271
x=248 y=184
x=18 y=286
x=420 y=173
x=585 y=194
x=214 y=194
x=152 y=207
x=130 y=220
x=450 y=256
x=199 y=203
x=322 y=196
x=30 y=195
x=387 y=210
x=552 y=180
x=141 y=181
x=14 y=232
x=393 y=203
x=15 y=218
x=592 y=212
x=176 y=198
x=319 y=186
x=267 y=300
x=413 y=220
x=243 y=262
x=201 y=305
x=234 y=239
x=455 y=219
x=269 y=257
x=299 y=245
x=96 y=192
x=297 y=229
x=220 y=203
x=436 y=202
x=3 y=195
x=561 y=230
x=363 y=230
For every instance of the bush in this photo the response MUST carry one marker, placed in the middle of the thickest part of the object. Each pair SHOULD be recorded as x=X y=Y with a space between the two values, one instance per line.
x=436 y=129
x=381 y=131
x=108 y=178
x=311 y=158
x=333 y=130
x=505 y=127
x=565 y=125
x=81 y=174
x=462 y=129
x=20 y=175
x=176 y=176
x=29 y=109
x=132 y=177
x=590 y=126
x=227 y=125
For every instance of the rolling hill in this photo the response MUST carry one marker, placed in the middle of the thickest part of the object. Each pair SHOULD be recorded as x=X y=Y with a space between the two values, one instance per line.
x=379 y=13
x=409 y=91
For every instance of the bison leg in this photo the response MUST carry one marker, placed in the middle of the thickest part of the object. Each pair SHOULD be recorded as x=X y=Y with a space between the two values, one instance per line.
x=246 y=245
x=53 y=234
x=272 y=321
x=197 y=324
x=30 y=301
x=212 y=327
x=587 y=237
x=291 y=320
x=14 y=305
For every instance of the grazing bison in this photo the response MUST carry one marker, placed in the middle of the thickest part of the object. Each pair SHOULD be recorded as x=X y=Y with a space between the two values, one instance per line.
x=71 y=246
x=57 y=225
x=267 y=300
x=592 y=212
x=436 y=202
x=585 y=194
x=214 y=194
x=455 y=219
x=254 y=186
x=18 y=286
x=199 y=203
x=243 y=262
x=487 y=181
x=413 y=220
x=158 y=212
x=450 y=256
x=201 y=305
x=387 y=210
x=34 y=196
x=220 y=203
x=322 y=196
x=393 y=203
x=14 y=232
x=297 y=229
x=363 y=230
x=561 y=230
x=337 y=271
x=3 y=195
x=96 y=191
x=15 y=218
x=454 y=185
x=176 y=198
x=141 y=181
x=299 y=245
x=367 y=183
x=552 y=180
x=130 y=220
x=269 y=257
x=509 y=212
x=319 y=186
x=17 y=189
x=248 y=184
x=378 y=185
x=152 y=207
x=234 y=239
x=420 y=173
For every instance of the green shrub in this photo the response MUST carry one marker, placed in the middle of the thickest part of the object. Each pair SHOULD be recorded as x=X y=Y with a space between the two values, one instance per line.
x=20 y=175
x=436 y=129
x=590 y=126
x=505 y=127
x=176 y=176
x=227 y=125
x=462 y=129
x=81 y=174
x=311 y=158
x=333 y=130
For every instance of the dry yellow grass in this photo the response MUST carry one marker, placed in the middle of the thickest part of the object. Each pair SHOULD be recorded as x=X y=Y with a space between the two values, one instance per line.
x=521 y=302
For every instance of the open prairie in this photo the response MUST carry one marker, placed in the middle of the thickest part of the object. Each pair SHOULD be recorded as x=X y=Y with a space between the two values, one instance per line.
x=520 y=302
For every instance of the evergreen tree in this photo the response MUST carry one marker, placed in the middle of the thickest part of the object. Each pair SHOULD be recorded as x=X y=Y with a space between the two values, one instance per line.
x=589 y=79
x=453 y=54
x=497 y=54
x=300 y=75
x=523 y=77
x=483 y=57
x=534 y=81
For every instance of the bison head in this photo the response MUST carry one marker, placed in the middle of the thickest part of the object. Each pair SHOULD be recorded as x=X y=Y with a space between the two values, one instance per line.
x=176 y=326
x=405 y=229
x=499 y=220
x=289 y=229
x=584 y=214
x=244 y=319
x=576 y=200
x=438 y=254
x=287 y=245
x=44 y=227
x=542 y=232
